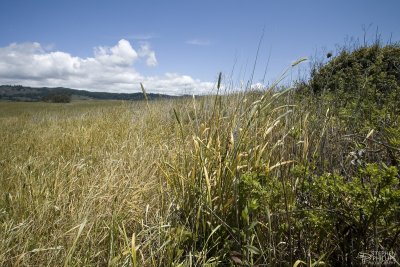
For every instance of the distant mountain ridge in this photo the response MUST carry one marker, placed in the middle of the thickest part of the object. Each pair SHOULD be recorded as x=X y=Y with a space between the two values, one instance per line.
x=25 y=93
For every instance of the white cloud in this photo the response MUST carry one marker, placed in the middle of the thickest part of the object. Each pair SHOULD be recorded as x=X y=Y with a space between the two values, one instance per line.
x=122 y=54
x=198 y=42
x=111 y=69
x=145 y=51
x=257 y=86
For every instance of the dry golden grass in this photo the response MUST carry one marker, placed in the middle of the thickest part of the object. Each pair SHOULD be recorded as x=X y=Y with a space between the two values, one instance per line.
x=74 y=177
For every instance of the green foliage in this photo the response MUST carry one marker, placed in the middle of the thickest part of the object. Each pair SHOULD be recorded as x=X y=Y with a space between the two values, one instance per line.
x=352 y=212
x=364 y=70
x=362 y=86
x=361 y=89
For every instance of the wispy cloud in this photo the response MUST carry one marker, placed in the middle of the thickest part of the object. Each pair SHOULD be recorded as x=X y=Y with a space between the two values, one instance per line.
x=141 y=37
x=110 y=69
x=150 y=55
x=199 y=42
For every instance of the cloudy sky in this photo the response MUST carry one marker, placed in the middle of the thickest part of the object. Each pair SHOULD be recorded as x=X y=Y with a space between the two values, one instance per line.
x=175 y=46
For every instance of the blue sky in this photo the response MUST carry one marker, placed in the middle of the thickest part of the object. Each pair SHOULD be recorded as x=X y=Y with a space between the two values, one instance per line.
x=174 y=46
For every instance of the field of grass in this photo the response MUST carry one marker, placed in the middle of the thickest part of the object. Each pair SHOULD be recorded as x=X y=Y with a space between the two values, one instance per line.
x=76 y=179
x=256 y=178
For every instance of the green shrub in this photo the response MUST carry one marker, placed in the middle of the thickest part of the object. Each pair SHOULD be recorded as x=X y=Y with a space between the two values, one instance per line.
x=361 y=89
x=345 y=216
x=368 y=69
x=362 y=86
x=57 y=98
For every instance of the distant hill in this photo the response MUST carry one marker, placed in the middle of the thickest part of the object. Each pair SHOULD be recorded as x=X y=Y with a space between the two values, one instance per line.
x=23 y=93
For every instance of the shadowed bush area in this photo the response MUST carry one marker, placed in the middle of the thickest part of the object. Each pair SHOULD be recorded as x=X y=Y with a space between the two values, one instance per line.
x=57 y=98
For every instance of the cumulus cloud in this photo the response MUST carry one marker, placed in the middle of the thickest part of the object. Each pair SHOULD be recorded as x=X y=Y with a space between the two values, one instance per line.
x=120 y=55
x=111 y=69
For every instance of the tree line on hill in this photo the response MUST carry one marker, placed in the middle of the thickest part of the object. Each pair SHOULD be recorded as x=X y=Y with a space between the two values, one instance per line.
x=65 y=95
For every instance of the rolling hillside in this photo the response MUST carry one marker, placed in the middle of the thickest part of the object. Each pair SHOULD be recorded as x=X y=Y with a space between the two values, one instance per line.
x=22 y=93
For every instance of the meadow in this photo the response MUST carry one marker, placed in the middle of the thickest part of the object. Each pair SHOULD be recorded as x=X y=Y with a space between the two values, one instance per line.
x=276 y=177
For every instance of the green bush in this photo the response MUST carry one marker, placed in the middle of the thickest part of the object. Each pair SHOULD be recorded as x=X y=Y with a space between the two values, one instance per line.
x=345 y=216
x=57 y=98
x=365 y=70
x=361 y=89
x=361 y=85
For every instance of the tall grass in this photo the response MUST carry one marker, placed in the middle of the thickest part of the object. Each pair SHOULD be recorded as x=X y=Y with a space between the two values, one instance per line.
x=75 y=177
